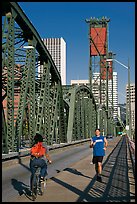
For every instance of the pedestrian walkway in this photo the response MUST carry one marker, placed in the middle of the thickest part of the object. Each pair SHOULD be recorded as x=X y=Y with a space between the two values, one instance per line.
x=78 y=183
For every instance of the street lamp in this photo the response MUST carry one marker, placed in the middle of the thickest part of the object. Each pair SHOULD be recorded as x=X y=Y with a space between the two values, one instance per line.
x=99 y=116
x=128 y=68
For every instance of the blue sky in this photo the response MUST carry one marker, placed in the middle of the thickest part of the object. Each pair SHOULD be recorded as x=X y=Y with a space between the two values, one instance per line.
x=67 y=20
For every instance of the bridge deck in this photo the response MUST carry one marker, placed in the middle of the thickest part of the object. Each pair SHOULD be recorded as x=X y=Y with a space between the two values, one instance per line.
x=78 y=182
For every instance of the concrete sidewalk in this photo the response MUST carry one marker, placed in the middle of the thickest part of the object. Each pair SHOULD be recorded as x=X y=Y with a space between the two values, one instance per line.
x=78 y=182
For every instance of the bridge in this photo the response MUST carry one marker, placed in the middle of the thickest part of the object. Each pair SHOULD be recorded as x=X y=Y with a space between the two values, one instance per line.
x=37 y=102
x=71 y=176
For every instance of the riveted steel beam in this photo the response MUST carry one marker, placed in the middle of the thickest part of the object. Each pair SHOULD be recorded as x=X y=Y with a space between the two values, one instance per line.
x=82 y=119
x=43 y=102
x=27 y=73
x=62 y=112
x=10 y=80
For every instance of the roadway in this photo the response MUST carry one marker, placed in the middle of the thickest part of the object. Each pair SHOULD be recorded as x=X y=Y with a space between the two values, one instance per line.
x=72 y=178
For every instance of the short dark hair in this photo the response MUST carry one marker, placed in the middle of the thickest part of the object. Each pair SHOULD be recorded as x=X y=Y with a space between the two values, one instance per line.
x=97 y=129
x=38 y=138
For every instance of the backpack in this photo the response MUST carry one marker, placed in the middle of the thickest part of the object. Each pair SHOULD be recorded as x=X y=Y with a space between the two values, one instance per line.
x=38 y=150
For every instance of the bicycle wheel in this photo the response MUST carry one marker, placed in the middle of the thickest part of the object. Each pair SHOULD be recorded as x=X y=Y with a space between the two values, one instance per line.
x=43 y=186
x=40 y=190
x=34 y=186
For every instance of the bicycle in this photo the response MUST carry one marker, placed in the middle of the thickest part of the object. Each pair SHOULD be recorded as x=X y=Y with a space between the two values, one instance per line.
x=37 y=186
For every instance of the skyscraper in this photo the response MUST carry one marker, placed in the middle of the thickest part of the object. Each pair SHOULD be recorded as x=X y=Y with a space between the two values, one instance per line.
x=132 y=101
x=57 y=49
x=115 y=94
x=96 y=88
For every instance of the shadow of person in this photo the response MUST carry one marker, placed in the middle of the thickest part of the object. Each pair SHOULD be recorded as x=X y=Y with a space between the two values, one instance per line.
x=75 y=171
x=21 y=187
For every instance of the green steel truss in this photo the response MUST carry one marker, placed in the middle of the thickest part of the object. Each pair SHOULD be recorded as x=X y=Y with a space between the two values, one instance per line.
x=33 y=99
x=42 y=121
x=82 y=119
x=8 y=55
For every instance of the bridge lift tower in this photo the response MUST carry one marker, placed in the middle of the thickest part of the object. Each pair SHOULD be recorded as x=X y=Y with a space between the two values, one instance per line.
x=98 y=48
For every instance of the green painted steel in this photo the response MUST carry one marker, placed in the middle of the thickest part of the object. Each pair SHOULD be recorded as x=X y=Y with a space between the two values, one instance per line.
x=72 y=92
x=36 y=99
x=81 y=121
x=62 y=117
x=10 y=80
x=23 y=96
x=41 y=106
x=43 y=101
x=54 y=113
x=99 y=23
x=4 y=134
x=31 y=93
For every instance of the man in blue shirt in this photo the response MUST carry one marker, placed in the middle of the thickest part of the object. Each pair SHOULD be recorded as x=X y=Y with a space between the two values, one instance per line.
x=99 y=144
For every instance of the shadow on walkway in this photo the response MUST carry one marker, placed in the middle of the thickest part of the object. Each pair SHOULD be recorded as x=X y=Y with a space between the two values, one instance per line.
x=115 y=181
x=21 y=188
x=75 y=171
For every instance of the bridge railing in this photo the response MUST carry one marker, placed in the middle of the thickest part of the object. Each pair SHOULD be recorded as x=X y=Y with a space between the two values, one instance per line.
x=26 y=151
x=132 y=151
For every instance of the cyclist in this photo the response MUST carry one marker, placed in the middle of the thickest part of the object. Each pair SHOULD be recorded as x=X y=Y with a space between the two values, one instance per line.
x=39 y=159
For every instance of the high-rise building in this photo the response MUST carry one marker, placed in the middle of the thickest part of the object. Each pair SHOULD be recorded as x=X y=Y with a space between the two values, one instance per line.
x=96 y=90
x=132 y=101
x=115 y=94
x=57 y=49
x=122 y=112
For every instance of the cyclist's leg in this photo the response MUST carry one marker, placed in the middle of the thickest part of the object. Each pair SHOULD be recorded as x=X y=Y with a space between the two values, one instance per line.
x=34 y=185
x=33 y=163
x=43 y=171
x=43 y=174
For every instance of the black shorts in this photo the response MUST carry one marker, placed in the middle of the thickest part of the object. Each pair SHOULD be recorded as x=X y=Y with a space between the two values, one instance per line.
x=97 y=159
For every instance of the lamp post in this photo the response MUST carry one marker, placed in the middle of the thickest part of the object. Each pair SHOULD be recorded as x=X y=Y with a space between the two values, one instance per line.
x=129 y=101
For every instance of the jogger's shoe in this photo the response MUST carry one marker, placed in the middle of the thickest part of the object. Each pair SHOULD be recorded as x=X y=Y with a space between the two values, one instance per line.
x=99 y=178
